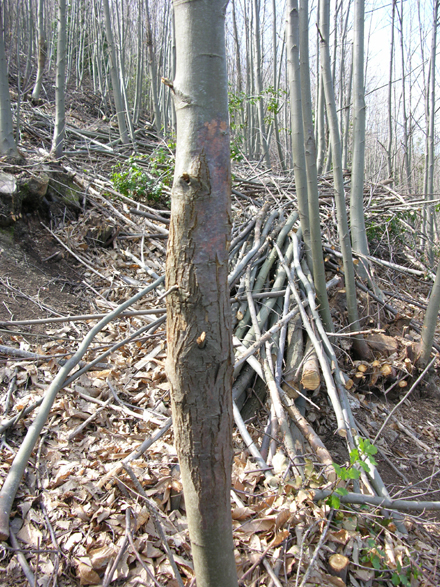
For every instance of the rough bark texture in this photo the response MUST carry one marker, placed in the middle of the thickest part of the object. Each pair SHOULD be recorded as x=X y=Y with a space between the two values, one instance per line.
x=199 y=363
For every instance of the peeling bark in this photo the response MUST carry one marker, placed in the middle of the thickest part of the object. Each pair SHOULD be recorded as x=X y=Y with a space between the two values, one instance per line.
x=199 y=333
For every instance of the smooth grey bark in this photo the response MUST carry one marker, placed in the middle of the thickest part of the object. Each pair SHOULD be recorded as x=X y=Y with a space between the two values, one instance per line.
x=346 y=136
x=60 y=104
x=311 y=171
x=139 y=66
x=152 y=69
x=199 y=331
x=430 y=321
x=237 y=50
x=344 y=116
x=259 y=83
x=357 y=218
x=116 y=82
x=341 y=212
x=431 y=137
x=296 y=122
x=276 y=70
x=7 y=141
x=390 y=98
x=320 y=126
x=404 y=113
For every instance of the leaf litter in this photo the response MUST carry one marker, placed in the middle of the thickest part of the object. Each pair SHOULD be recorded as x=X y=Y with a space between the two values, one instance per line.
x=91 y=510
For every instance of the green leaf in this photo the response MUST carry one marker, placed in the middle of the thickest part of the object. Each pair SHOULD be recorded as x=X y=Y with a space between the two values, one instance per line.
x=341 y=491
x=395 y=579
x=354 y=456
x=334 y=502
x=375 y=561
x=353 y=474
x=365 y=466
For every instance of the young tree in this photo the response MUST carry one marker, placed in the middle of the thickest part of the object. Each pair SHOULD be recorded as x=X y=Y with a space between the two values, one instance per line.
x=430 y=135
x=199 y=362
x=296 y=122
x=116 y=82
x=311 y=170
x=41 y=51
x=60 y=110
x=344 y=238
x=152 y=69
x=357 y=220
x=7 y=141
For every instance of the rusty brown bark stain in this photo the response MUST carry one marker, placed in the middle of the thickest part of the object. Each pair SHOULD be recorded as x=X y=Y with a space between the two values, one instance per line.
x=201 y=376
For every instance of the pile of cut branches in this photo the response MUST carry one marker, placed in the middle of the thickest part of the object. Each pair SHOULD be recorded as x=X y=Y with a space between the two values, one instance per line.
x=101 y=498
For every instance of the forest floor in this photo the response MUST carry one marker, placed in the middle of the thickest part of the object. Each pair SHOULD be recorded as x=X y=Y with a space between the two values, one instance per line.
x=80 y=507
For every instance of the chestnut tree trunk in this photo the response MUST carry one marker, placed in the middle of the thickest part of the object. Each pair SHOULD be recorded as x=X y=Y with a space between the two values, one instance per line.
x=199 y=362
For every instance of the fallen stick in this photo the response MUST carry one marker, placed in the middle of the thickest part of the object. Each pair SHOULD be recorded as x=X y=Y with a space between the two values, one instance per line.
x=377 y=501
x=80 y=318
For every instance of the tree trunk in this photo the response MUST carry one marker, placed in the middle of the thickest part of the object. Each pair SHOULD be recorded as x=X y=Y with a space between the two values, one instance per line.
x=276 y=70
x=259 y=84
x=390 y=90
x=431 y=138
x=405 y=116
x=296 y=123
x=430 y=321
x=120 y=111
x=60 y=107
x=153 y=74
x=312 y=178
x=343 y=231
x=357 y=219
x=7 y=141
x=199 y=363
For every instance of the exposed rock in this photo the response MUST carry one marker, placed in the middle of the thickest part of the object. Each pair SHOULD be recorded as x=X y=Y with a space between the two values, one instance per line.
x=10 y=199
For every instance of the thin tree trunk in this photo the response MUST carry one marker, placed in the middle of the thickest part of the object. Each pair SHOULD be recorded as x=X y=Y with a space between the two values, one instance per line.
x=312 y=179
x=344 y=235
x=430 y=321
x=60 y=108
x=139 y=66
x=116 y=82
x=199 y=363
x=357 y=219
x=7 y=141
x=276 y=69
x=237 y=51
x=390 y=89
x=296 y=123
x=431 y=137
x=259 y=84
x=152 y=70
x=344 y=118
x=405 y=116
x=346 y=136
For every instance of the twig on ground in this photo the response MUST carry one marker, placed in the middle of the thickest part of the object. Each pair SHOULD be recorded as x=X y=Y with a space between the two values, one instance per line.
x=22 y=560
